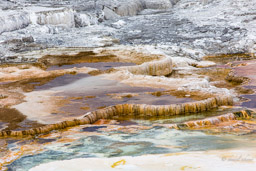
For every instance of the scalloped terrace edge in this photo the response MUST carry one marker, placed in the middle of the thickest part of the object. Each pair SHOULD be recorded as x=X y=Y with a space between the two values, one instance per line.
x=161 y=67
x=124 y=109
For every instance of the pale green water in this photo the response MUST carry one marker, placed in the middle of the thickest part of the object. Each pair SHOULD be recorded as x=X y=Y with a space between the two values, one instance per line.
x=114 y=143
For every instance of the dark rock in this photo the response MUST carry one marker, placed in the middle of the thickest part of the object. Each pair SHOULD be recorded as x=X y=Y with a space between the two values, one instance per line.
x=100 y=20
x=13 y=41
x=29 y=39
x=225 y=39
x=235 y=28
x=225 y=31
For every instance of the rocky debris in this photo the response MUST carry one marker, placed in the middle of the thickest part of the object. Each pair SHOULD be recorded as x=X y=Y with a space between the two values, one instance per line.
x=17 y=59
x=160 y=4
x=129 y=8
x=19 y=45
x=11 y=21
x=29 y=39
x=62 y=17
x=202 y=26
x=7 y=5
x=109 y=13
x=84 y=19
x=3 y=96
x=119 y=24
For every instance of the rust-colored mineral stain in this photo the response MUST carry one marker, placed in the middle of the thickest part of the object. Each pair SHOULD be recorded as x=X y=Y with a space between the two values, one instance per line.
x=225 y=58
x=243 y=90
x=14 y=119
x=236 y=122
x=28 y=85
x=90 y=97
x=76 y=98
x=214 y=73
x=104 y=122
x=85 y=108
x=101 y=107
x=194 y=95
x=81 y=57
x=248 y=71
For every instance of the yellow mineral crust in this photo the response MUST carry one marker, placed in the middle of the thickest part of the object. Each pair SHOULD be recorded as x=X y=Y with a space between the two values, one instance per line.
x=129 y=109
x=243 y=159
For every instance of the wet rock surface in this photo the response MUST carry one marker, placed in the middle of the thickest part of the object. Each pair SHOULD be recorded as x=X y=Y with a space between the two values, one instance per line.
x=15 y=120
x=191 y=83
x=114 y=78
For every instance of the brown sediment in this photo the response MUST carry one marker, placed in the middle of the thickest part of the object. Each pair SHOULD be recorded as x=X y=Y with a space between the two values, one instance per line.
x=122 y=95
x=125 y=56
x=222 y=77
x=27 y=76
x=132 y=55
x=155 y=68
x=236 y=80
x=22 y=66
x=28 y=85
x=13 y=117
x=25 y=80
x=215 y=121
x=225 y=58
x=85 y=108
x=37 y=70
x=10 y=98
x=101 y=107
x=81 y=57
x=195 y=95
x=90 y=97
x=3 y=96
x=214 y=74
x=129 y=109
x=15 y=74
x=75 y=98
x=247 y=71
x=243 y=90
x=98 y=72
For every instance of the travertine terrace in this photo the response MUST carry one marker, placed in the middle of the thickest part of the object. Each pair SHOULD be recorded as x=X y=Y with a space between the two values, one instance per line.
x=128 y=84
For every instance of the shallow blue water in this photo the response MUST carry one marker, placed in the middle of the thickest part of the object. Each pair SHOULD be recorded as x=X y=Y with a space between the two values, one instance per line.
x=157 y=140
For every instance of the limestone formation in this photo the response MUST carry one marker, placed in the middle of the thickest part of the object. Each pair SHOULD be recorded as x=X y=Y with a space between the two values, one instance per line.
x=11 y=22
x=214 y=121
x=159 y=4
x=129 y=8
x=62 y=17
x=155 y=68
x=129 y=109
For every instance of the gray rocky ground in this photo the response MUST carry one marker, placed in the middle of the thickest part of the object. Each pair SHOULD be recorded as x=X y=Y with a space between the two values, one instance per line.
x=192 y=28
